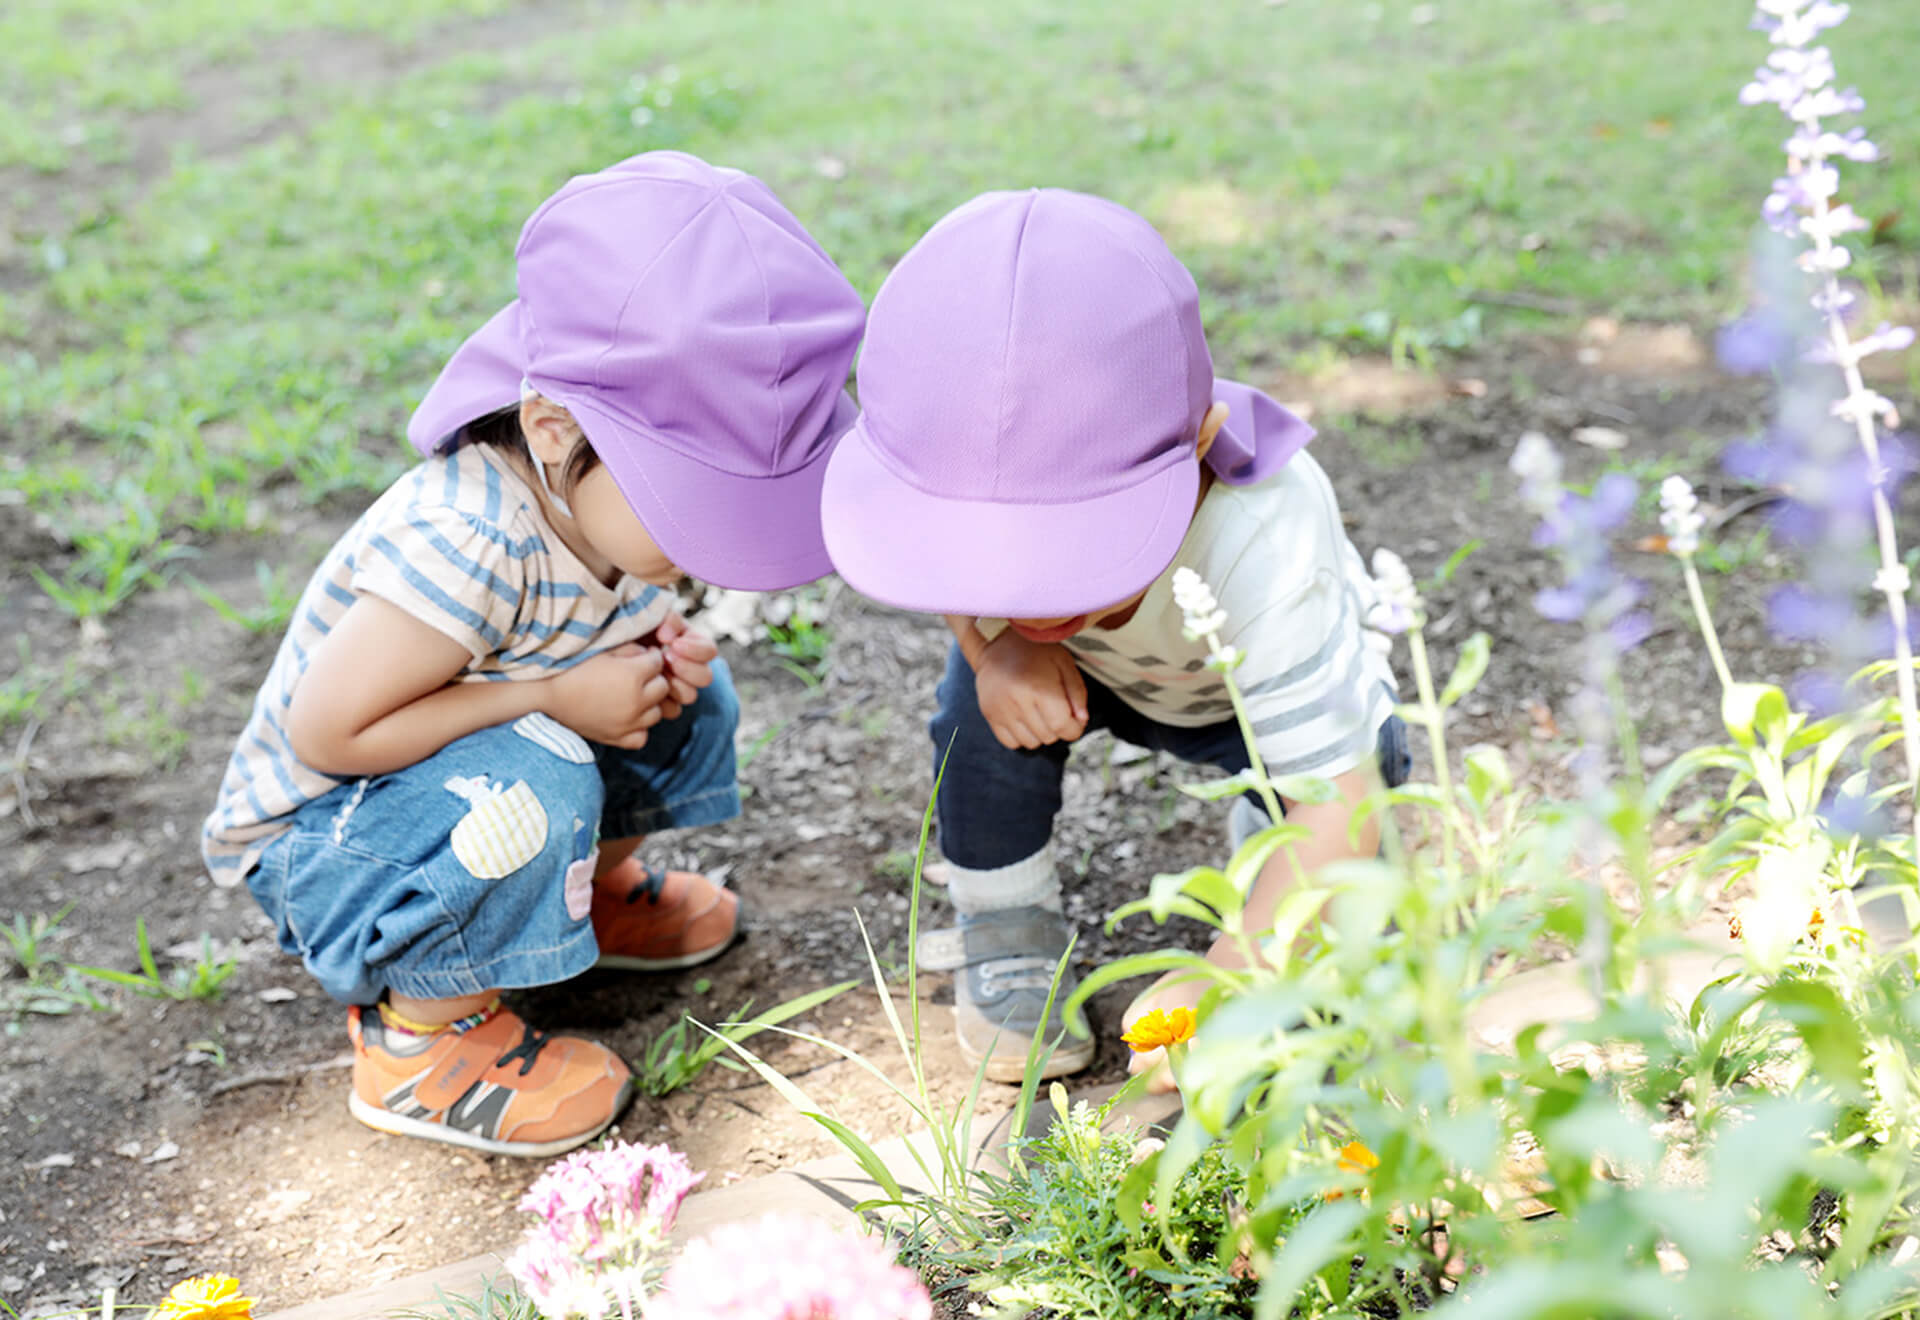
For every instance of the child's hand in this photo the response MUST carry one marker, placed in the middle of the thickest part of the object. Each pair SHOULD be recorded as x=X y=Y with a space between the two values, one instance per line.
x=614 y=697
x=688 y=655
x=1031 y=693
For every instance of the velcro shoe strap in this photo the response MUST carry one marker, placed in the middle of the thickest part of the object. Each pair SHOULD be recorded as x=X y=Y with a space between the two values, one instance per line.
x=1022 y=932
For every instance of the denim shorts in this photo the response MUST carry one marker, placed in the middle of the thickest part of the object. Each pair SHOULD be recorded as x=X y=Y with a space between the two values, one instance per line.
x=473 y=869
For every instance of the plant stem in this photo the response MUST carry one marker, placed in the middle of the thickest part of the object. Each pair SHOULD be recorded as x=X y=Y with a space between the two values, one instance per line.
x=1267 y=796
x=1704 y=617
x=1436 y=734
x=1892 y=576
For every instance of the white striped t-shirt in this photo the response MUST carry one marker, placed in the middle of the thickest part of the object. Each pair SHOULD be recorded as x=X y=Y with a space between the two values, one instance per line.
x=1296 y=596
x=459 y=544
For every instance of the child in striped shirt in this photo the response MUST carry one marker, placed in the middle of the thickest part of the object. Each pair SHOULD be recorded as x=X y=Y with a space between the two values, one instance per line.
x=1042 y=443
x=485 y=698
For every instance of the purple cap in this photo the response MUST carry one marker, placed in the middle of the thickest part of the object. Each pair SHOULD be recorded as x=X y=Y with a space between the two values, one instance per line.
x=1032 y=386
x=701 y=339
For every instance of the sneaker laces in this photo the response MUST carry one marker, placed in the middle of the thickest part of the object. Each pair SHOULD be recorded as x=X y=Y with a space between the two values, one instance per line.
x=528 y=1050
x=651 y=887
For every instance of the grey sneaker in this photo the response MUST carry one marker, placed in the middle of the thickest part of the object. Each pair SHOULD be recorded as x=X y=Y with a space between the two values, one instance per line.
x=1004 y=963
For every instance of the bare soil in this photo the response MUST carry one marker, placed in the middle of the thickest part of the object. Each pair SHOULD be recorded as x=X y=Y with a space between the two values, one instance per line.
x=154 y=1140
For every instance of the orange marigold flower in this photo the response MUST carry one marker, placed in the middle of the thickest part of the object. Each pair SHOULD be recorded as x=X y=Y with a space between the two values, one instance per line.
x=1815 y=921
x=1733 y=927
x=1354 y=1158
x=1159 y=1028
x=212 y=1297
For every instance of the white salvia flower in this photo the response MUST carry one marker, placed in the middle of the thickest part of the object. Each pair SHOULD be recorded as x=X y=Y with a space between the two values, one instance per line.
x=1224 y=658
x=1195 y=599
x=1864 y=405
x=1893 y=580
x=1537 y=463
x=1398 y=604
x=1841 y=219
x=1680 y=515
x=1886 y=339
x=1814 y=261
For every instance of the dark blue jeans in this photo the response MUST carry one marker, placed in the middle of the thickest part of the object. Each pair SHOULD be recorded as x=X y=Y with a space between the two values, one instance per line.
x=996 y=804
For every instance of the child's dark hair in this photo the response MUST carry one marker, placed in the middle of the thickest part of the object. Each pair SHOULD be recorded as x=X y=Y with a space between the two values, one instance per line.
x=502 y=431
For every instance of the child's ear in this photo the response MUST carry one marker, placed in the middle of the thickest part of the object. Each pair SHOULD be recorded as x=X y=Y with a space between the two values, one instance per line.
x=549 y=428
x=1209 y=430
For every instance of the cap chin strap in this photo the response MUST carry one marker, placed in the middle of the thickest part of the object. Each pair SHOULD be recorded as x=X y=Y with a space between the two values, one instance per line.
x=527 y=391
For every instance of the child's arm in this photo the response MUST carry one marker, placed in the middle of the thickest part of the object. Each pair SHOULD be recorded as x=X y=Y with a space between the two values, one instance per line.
x=1030 y=693
x=378 y=695
x=1327 y=842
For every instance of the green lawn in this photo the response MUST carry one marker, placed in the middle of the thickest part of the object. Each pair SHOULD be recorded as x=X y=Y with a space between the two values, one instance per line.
x=1334 y=172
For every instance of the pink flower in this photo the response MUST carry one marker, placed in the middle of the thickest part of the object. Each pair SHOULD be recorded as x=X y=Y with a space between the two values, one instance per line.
x=604 y=1218
x=788 y=1268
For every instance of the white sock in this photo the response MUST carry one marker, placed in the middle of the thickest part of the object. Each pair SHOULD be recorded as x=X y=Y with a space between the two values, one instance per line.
x=1029 y=882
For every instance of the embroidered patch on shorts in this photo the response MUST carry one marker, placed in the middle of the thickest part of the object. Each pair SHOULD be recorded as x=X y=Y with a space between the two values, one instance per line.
x=555 y=737
x=503 y=830
x=579 y=887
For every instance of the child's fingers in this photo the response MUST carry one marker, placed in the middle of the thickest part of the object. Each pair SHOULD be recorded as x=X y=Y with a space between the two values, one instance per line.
x=633 y=742
x=669 y=710
x=1076 y=690
x=698 y=673
x=681 y=692
x=670 y=627
x=692 y=646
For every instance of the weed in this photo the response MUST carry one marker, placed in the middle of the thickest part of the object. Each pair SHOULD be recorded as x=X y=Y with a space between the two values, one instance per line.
x=205 y=979
x=671 y=1062
x=497 y=1299
x=896 y=865
x=278 y=597
x=26 y=935
x=801 y=644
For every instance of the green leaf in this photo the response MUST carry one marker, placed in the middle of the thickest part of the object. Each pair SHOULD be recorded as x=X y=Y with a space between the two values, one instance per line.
x=1468 y=669
x=146 y=949
x=1417 y=795
x=1824 y=1022
x=1413 y=713
x=1308 y=789
x=1323 y=1237
x=1213 y=790
x=1205 y=884
x=1139 y=964
x=1135 y=1188
x=1444 y=574
x=1252 y=855
x=1487 y=774
x=870 y=1163
x=1145 y=1258
x=1749 y=710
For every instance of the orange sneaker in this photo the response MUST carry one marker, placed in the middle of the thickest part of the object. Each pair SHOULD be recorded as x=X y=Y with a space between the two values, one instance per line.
x=498 y=1086
x=654 y=921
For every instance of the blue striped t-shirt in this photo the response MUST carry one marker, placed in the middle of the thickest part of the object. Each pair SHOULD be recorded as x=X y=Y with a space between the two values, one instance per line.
x=459 y=544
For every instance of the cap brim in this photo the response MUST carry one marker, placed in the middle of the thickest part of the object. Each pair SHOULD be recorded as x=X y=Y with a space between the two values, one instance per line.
x=744 y=533
x=482 y=376
x=915 y=551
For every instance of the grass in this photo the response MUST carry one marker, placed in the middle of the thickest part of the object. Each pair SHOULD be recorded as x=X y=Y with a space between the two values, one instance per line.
x=257 y=324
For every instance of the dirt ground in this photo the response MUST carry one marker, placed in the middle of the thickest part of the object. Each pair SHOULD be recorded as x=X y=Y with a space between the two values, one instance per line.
x=159 y=1139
